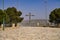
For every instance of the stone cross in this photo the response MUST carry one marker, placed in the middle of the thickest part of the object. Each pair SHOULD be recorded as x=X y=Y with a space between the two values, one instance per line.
x=30 y=15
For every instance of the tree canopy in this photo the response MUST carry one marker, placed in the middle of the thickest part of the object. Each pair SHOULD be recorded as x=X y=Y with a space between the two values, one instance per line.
x=11 y=15
x=54 y=16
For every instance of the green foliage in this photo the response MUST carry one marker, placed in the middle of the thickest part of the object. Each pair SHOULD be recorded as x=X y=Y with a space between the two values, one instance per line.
x=14 y=15
x=10 y=15
x=55 y=15
x=2 y=16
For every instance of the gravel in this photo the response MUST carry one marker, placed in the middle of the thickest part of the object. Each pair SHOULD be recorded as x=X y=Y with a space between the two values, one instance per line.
x=30 y=33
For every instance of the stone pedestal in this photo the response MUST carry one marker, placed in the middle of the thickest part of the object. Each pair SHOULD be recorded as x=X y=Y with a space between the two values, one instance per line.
x=38 y=24
x=2 y=25
x=13 y=25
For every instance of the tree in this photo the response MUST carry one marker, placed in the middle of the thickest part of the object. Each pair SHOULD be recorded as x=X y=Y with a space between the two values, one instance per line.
x=3 y=15
x=54 y=16
x=10 y=15
x=14 y=15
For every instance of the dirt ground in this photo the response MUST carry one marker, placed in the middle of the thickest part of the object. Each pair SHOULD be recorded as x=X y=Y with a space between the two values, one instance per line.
x=30 y=33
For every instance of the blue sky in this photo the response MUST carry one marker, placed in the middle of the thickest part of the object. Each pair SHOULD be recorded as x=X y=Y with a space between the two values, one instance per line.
x=36 y=7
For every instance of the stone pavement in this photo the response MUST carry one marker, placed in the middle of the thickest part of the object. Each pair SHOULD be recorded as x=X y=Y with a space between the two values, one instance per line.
x=30 y=33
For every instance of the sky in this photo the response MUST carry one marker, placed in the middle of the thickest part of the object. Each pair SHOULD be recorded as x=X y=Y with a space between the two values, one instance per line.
x=39 y=8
